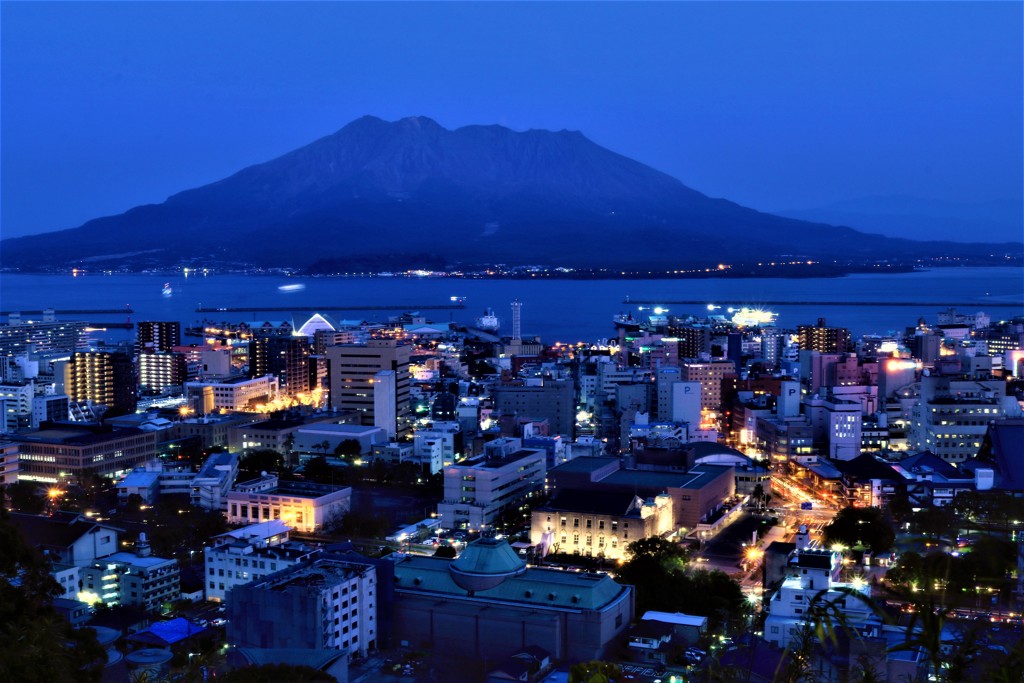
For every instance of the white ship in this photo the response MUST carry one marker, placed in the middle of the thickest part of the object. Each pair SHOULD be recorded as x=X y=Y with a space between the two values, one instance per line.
x=488 y=322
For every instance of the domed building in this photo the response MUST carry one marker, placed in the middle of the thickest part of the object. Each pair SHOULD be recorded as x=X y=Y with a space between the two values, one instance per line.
x=488 y=603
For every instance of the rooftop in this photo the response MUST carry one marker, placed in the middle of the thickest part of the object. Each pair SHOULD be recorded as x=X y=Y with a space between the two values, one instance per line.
x=313 y=575
x=261 y=530
x=535 y=587
x=71 y=436
x=619 y=503
x=494 y=462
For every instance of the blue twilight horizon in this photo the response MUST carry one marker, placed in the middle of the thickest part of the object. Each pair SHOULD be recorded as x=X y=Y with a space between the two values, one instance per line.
x=773 y=105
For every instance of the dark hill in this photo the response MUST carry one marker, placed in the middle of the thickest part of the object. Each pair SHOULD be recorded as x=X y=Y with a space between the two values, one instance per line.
x=405 y=193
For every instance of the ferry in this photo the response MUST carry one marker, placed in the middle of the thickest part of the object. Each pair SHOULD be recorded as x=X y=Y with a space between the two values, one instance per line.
x=752 y=317
x=626 y=321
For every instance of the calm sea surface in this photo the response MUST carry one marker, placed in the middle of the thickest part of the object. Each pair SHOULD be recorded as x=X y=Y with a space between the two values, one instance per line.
x=557 y=310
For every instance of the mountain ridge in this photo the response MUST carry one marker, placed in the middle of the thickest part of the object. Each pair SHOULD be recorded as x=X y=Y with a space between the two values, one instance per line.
x=478 y=193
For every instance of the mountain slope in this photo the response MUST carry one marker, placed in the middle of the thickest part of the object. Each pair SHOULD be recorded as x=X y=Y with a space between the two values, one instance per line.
x=417 y=191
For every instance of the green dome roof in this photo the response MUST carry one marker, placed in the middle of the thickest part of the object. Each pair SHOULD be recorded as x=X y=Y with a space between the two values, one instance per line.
x=485 y=563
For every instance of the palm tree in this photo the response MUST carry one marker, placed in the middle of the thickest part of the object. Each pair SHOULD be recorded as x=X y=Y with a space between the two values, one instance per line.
x=758 y=494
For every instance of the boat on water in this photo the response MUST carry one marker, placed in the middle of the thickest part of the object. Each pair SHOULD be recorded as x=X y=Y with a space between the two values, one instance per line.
x=291 y=288
x=626 y=321
x=752 y=317
x=488 y=322
x=167 y=292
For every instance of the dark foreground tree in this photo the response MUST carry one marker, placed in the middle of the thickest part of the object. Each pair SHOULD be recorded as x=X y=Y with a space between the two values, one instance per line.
x=36 y=642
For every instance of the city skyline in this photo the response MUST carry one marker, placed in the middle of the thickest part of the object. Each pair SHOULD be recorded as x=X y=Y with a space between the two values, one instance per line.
x=790 y=106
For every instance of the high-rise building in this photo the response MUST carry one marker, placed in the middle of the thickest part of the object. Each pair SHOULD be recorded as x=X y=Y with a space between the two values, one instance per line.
x=161 y=370
x=710 y=376
x=287 y=358
x=352 y=368
x=824 y=339
x=157 y=336
x=105 y=378
x=693 y=340
x=44 y=336
x=322 y=604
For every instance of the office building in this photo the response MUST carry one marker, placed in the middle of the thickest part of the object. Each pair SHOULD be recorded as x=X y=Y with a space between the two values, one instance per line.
x=694 y=341
x=50 y=408
x=710 y=375
x=16 y=402
x=249 y=554
x=953 y=414
x=813 y=581
x=8 y=462
x=478 y=490
x=352 y=369
x=553 y=400
x=213 y=481
x=61 y=453
x=231 y=394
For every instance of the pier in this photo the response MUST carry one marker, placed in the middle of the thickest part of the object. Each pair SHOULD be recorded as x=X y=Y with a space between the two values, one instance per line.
x=288 y=309
x=917 y=304
x=76 y=311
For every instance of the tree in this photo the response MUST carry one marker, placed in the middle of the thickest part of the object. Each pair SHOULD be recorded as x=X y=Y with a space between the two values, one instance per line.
x=445 y=551
x=668 y=554
x=260 y=460
x=758 y=494
x=317 y=470
x=26 y=496
x=36 y=642
x=594 y=671
x=934 y=522
x=853 y=526
x=349 y=448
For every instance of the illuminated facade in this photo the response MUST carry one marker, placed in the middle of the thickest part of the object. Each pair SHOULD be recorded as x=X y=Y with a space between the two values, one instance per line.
x=44 y=336
x=160 y=371
x=232 y=394
x=814 y=581
x=107 y=379
x=62 y=453
x=603 y=525
x=303 y=506
x=287 y=358
x=710 y=376
x=157 y=336
x=824 y=339
x=952 y=415
x=8 y=462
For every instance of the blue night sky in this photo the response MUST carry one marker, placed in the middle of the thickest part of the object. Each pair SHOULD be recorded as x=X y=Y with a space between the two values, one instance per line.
x=772 y=105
